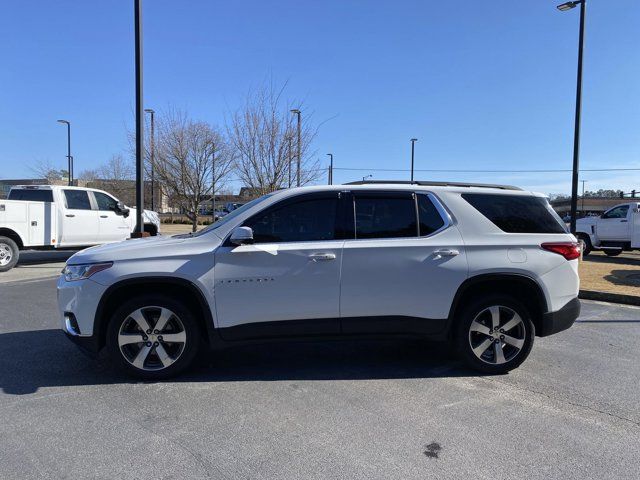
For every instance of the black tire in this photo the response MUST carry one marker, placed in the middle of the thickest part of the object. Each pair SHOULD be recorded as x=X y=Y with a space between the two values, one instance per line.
x=8 y=249
x=478 y=309
x=612 y=253
x=123 y=322
x=151 y=229
x=588 y=247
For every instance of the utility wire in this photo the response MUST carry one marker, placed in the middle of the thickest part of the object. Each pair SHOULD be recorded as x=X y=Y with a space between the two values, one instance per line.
x=487 y=171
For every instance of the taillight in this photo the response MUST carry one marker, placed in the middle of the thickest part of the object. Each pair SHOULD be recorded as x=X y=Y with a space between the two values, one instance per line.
x=569 y=250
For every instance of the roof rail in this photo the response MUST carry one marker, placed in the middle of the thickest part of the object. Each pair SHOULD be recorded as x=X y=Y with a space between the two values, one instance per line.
x=424 y=183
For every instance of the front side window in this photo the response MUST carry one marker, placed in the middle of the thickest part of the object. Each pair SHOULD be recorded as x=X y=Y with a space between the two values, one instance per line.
x=105 y=202
x=77 y=200
x=385 y=216
x=305 y=220
x=617 y=212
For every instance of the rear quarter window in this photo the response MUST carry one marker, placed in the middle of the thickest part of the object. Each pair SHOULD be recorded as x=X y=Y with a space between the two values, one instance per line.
x=517 y=213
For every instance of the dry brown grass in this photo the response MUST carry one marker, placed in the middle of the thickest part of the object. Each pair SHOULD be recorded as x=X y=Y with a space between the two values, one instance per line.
x=176 y=228
x=611 y=274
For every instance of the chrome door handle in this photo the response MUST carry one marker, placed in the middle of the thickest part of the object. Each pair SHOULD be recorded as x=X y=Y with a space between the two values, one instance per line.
x=322 y=257
x=446 y=252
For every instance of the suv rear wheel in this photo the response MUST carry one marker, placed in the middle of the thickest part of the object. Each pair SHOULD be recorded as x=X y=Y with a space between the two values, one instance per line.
x=153 y=337
x=495 y=334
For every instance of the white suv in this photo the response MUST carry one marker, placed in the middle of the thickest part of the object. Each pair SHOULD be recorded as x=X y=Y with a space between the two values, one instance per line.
x=486 y=267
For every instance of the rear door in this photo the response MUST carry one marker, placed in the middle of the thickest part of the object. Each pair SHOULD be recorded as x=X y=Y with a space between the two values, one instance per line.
x=402 y=269
x=614 y=224
x=79 y=219
x=112 y=227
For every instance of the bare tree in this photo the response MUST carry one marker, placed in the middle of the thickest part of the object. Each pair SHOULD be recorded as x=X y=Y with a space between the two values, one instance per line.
x=47 y=170
x=262 y=134
x=190 y=156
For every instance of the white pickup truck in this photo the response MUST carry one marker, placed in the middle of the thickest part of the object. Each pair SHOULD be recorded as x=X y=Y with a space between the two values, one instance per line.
x=615 y=230
x=54 y=217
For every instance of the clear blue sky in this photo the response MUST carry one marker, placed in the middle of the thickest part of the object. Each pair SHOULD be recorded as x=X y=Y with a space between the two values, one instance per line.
x=482 y=84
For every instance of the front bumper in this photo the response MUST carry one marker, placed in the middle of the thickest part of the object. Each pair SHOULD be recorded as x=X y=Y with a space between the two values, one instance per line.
x=554 y=322
x=77 y=305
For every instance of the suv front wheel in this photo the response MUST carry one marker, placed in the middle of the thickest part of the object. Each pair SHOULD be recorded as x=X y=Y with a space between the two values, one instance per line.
x=495 y=334
x=153 y=337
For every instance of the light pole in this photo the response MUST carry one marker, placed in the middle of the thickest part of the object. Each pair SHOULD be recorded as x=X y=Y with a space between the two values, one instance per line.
x=69 y=157
x=152 y=148
x=213 y=183
x=413 y=145
x=295 y=111
x=289 y=158
x=364 y=179
x=330 y=169
x=576 y=134
x=137 y=10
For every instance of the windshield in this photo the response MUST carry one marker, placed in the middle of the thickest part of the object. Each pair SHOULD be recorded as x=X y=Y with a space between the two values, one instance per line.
x=238 y=211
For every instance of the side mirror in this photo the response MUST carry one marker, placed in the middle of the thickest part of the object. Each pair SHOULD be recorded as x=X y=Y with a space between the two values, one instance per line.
x=242 y=236
x=122 y=209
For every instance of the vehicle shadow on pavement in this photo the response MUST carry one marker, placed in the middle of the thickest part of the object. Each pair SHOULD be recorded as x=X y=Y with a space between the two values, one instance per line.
x=45 y=358
x=34 y=257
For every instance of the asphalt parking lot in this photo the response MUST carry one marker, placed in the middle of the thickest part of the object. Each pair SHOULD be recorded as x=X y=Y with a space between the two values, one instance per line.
x=396 y=409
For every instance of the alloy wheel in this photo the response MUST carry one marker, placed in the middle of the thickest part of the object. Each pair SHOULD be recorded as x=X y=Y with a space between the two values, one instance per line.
x=497 y=334
x=152 y=338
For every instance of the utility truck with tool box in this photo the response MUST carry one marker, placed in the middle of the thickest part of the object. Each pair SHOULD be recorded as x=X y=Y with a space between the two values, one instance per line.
x=616 y=230
x=42 y=217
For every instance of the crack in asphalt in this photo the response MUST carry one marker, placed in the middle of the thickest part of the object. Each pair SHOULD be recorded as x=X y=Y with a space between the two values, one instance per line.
x=567 y=402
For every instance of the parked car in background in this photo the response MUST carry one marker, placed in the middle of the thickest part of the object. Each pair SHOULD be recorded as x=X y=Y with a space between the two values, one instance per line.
x=48 y=217
x=616 y=230
x=485 y=267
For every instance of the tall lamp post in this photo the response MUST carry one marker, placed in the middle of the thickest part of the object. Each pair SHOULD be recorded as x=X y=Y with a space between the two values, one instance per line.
x=213 y=183
x=295 y=111
x=139 y=121
x=152 y=148
x=413 y=147
x=330 y=169
x=576 y=135
x=69 y=157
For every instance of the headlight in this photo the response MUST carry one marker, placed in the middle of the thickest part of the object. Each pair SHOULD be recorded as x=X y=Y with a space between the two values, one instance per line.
x=80 y=272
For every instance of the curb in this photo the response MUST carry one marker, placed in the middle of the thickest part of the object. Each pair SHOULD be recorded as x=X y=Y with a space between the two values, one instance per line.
x=609 y=297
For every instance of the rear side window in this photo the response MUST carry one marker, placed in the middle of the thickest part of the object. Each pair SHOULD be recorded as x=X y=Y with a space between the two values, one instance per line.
x=302 y=221
x=430 y=219
x=517 y=213
x=32 y=195
x=77 y=200
x=385 y=216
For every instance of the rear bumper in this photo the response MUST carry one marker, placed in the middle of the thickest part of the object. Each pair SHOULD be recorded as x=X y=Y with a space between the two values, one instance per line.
x=554 y=322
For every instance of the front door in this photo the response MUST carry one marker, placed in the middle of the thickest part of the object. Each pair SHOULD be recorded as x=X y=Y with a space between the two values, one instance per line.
x=79 y=221
x=614 y=224
x=400 y=273
x=288 y=281
x=113 y=227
